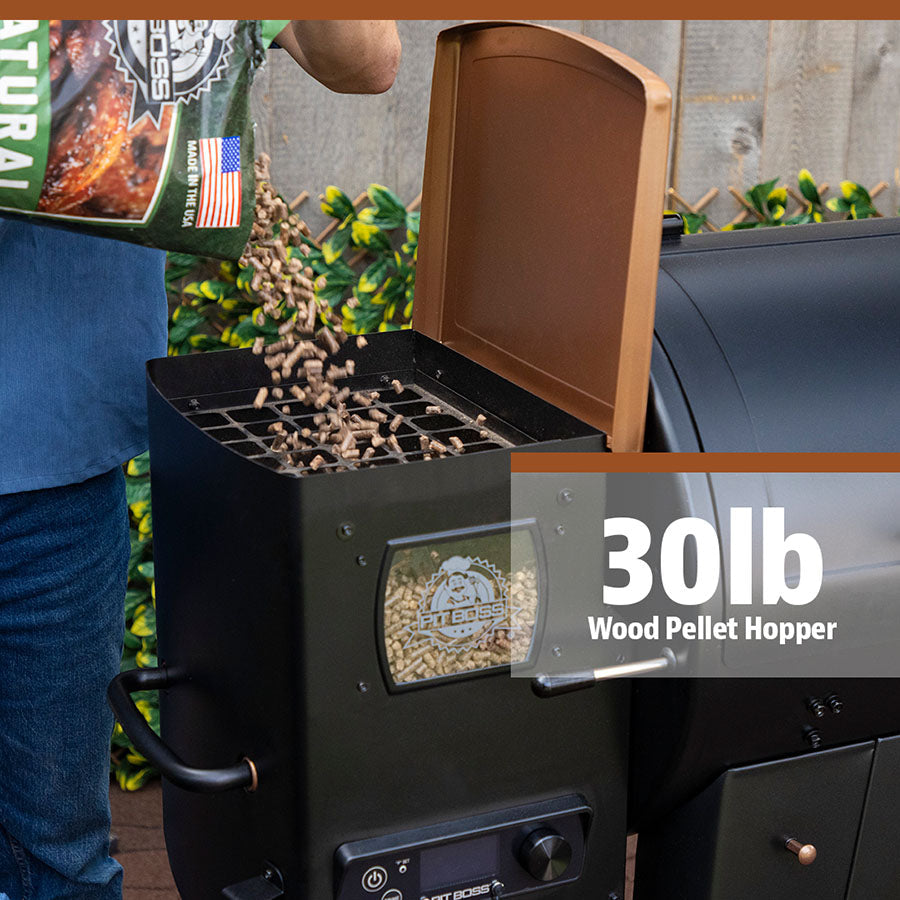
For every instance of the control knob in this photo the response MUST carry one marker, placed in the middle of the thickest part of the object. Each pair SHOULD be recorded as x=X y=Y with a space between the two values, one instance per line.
x=545 y=854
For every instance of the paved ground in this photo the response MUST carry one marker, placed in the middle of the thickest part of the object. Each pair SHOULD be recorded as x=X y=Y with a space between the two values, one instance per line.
x=137 y=820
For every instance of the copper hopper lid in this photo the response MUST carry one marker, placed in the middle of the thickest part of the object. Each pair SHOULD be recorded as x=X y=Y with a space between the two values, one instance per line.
x=542 y=216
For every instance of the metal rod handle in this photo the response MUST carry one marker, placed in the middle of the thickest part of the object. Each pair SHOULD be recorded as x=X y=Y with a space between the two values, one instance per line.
x=552 y=685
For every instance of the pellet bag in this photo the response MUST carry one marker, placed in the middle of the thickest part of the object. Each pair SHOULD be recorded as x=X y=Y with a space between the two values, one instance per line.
x=132 y=129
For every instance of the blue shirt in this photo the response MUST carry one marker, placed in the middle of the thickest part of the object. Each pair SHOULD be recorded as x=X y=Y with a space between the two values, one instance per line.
x=79 y=317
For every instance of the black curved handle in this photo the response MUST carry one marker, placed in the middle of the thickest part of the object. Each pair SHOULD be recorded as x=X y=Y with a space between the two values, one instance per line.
x=553 y=685
x=206 y=781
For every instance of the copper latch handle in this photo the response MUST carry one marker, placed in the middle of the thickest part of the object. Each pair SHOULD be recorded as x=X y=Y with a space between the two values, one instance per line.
x=805 y=853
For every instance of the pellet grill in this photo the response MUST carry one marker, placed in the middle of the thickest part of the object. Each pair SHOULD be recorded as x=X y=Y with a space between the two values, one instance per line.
x=337 y=716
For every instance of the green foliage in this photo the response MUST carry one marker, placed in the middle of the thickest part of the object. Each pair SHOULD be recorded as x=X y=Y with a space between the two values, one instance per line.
x=693 y=222
x=770 y=204
x=366 y=268
x=380 y=296
x=130 y=769
x=854 y=202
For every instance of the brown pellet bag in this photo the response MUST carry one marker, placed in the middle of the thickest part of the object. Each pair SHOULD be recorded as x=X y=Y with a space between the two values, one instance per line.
x=132 y=129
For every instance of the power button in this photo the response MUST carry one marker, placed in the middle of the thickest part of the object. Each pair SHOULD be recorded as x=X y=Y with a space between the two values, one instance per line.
x=375 y=879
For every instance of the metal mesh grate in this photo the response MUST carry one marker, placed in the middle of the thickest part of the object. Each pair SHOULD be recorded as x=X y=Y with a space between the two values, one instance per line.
x=245 y=429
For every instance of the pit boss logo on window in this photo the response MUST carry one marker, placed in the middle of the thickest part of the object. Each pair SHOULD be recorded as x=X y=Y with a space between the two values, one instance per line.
x=464 y=602
x=169 y=61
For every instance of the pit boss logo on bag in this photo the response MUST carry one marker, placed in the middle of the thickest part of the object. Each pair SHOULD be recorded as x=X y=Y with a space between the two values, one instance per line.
x=464 y=602
x=169 y=61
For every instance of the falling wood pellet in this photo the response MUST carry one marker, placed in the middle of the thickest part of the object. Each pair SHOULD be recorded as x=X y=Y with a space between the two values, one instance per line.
x=329 y=340
x=306 y=349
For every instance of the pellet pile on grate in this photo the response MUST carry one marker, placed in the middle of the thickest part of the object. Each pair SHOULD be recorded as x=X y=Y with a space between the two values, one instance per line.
x=256 y=432
x=310 y=337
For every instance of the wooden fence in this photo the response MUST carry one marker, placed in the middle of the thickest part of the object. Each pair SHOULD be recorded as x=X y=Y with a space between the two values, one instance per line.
x=752 y=100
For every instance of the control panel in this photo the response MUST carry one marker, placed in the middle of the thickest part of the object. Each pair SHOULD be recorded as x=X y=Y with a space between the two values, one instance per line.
x=497 y=854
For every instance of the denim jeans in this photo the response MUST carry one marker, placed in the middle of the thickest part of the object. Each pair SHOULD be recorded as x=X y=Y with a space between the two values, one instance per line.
x=63 y=564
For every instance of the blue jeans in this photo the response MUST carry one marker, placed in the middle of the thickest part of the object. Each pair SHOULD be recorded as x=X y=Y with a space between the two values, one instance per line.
x=63 y=566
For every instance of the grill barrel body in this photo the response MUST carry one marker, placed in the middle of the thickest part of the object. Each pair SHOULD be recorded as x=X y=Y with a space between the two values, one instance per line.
x=779 y=340
x=772 y=340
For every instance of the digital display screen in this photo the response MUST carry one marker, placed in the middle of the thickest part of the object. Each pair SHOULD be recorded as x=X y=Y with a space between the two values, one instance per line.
x=455 y=863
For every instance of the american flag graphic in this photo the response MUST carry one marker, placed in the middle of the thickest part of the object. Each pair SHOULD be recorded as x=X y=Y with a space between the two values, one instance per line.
x=220 y=184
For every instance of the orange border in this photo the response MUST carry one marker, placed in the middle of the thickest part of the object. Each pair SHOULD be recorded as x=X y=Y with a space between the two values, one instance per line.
x=507 y=9
x=539 y=463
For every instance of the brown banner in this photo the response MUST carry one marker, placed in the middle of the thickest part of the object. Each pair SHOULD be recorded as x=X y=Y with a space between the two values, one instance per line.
x=524 y=462
x=505 y=9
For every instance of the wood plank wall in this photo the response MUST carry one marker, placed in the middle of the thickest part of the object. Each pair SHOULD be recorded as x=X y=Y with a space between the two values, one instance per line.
x=752 y=100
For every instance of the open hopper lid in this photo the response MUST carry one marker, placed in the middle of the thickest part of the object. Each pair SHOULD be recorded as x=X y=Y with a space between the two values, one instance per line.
x=541 y=216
